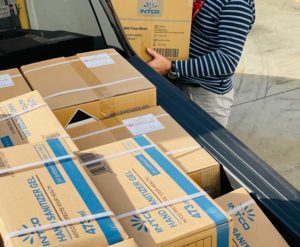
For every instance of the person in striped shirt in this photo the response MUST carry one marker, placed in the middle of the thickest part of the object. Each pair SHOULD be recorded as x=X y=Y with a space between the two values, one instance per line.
x=218 y=35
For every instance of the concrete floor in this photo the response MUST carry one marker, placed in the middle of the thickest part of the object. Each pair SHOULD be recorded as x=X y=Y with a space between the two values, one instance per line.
x=266 y=113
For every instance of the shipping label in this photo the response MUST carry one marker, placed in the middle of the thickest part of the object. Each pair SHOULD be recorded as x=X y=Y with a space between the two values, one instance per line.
x=143 y=124
x=97 y=60
x=6 y=81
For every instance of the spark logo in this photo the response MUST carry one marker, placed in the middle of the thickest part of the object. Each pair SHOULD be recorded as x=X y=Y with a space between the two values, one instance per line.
x=245 y=216
x=150 y=7
x=248 y=213
x=35 y=236
x=27 y=237
x=139 y=224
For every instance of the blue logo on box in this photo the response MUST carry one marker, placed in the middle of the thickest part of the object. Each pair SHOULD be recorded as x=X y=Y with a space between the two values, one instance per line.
x=6 y=141
x=139 y=224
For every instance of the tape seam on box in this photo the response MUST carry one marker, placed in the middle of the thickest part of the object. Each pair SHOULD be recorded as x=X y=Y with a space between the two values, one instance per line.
x=91 y=87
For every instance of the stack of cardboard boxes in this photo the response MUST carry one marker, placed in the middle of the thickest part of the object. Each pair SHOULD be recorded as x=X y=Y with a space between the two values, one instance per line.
x=129 y=176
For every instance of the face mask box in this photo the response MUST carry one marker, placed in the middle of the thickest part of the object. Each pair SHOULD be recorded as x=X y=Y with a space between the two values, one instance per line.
x=52 y=187
x=28 y=119
x=162 y=130
x=96 y=84
x=133 y=174
x=251 y=226
x=12 y=84
x=162 y=25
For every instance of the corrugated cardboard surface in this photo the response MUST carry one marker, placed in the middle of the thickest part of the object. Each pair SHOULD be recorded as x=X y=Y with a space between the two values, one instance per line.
x=196 y=162
x=38 y=123
x=251 y=226
x=74 y=77
x=52 y=192
x=134 y=180
x=12 y=84
x=126 y=243
x=163 y=25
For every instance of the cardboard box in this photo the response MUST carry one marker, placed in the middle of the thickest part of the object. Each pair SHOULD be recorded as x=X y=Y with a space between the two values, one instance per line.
x=251 y=226
x=97 y=84
x=165 y=132
x=55 y=191
x=163 y=25
x=28 y=119
x=126 y=243
x=12 y=84
x=134 y=174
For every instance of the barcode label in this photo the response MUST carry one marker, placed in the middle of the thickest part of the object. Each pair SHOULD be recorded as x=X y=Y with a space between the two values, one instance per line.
x=96 y=166
x=167 y=52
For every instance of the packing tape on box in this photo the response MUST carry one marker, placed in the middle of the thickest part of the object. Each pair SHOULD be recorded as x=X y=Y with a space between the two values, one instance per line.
x=240 y=207
x=55 y=225
x=35 y=164
x=15 y=76
x=76 y=90
x=22 y=112
x=161 y=205
x=94 y=161
x=97 y=160
x=53 y=160
x=99 y=216
x=59 y=63
x=111 y=128
x=70 y=156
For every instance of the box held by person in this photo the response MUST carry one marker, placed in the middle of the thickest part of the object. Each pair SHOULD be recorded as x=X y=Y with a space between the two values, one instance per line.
x=162 y=25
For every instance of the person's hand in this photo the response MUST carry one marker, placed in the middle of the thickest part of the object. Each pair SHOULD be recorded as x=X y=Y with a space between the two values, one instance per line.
x=159 y=63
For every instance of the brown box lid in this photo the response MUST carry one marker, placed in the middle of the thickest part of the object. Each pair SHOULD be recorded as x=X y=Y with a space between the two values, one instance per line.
x=86 y=77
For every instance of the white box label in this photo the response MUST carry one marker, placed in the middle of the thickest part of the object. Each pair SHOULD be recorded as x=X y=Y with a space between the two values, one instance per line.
x=143 y=124
x=6 y=81
x=97 y=60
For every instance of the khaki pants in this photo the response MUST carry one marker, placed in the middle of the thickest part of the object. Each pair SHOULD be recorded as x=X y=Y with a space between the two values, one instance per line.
x=216 y=105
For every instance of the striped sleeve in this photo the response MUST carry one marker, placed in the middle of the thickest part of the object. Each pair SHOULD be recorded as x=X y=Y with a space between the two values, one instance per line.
x=235 y=21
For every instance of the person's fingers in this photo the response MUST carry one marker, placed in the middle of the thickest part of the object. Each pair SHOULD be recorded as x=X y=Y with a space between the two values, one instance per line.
x=153 y=65
x=152 y=53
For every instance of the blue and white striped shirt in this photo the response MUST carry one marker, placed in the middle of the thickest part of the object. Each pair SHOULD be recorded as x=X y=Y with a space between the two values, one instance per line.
x=218 y=35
